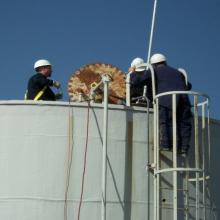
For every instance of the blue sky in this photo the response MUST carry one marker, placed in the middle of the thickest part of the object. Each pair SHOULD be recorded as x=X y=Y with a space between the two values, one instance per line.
x=73 y=33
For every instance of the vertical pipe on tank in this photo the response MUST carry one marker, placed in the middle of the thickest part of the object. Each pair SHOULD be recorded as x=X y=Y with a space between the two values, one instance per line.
x=105 y=80
x=148 y=155
x=156 y=140
x=174 y=157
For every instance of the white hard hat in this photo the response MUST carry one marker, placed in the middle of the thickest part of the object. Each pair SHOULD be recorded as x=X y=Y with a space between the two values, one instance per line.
x=40 y=63
x=157 y=58
x=137 y=62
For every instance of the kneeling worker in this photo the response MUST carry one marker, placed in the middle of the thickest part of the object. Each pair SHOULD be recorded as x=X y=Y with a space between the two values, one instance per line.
x=39 y=84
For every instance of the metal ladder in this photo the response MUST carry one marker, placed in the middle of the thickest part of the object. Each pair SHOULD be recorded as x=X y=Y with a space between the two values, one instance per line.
x=197 y=172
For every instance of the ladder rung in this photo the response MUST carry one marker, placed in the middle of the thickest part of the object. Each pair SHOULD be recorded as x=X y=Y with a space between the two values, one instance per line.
x=172 y=189
x=200 y=179
x=170 y=206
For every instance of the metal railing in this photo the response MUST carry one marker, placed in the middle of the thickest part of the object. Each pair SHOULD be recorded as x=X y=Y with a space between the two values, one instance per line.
x=201 y=147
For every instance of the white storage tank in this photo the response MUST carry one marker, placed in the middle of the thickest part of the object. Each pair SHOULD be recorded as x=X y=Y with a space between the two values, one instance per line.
x=35 y=150
x=43 y=155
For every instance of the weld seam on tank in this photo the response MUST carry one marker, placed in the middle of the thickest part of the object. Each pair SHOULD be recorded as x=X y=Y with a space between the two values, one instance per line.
x=69 y=200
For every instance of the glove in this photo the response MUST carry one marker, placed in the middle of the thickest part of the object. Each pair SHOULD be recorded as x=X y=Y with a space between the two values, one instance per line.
x=56 y=84
x=59 y=95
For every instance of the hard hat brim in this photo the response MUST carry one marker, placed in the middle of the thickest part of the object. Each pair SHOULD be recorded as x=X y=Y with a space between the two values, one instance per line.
x=140 y=68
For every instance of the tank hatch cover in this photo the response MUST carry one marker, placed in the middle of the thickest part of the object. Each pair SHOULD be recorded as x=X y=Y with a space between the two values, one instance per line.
x=88 y=76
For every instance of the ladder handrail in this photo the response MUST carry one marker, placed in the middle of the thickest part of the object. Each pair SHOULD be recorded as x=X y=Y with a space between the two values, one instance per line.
x=184 y=92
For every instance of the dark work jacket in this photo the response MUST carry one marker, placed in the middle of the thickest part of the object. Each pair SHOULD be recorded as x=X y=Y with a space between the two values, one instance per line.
x=138 y=81
x=166 y=79
x=36 y=83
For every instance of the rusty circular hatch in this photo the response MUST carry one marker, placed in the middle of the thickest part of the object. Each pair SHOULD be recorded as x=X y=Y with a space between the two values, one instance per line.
x=82 y=80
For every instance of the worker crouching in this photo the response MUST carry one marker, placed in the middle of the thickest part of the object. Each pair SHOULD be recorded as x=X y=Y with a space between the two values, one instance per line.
x=39 y=85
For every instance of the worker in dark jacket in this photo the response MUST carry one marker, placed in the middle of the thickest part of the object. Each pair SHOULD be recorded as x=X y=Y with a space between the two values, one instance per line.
x=169 y=79
x=138 y=80
x=39 y=84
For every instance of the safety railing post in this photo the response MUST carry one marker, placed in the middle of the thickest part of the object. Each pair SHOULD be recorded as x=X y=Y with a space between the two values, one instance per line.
x=209 y=156
x=187 y=191
x=204 y=162
x=174 y=157
x=105 y=80
x=196 y=124
x=209 y=137
x=158 y=160
x=155 y=161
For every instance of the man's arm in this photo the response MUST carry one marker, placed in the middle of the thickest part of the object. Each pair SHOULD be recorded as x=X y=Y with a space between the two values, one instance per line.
x=140 y=78
x=43 y=81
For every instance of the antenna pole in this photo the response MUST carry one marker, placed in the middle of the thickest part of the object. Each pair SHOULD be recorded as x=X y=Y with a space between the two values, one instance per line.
x=152 y=30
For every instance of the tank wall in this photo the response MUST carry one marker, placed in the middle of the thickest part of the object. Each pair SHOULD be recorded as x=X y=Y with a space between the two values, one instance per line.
x=126 y=176
x=34 y=162
x=38 y=141
x=33 y=154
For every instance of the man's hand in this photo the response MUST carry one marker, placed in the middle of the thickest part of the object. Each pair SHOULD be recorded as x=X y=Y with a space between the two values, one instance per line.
x=59 y=95
x=131 y=69
x=56 y=84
